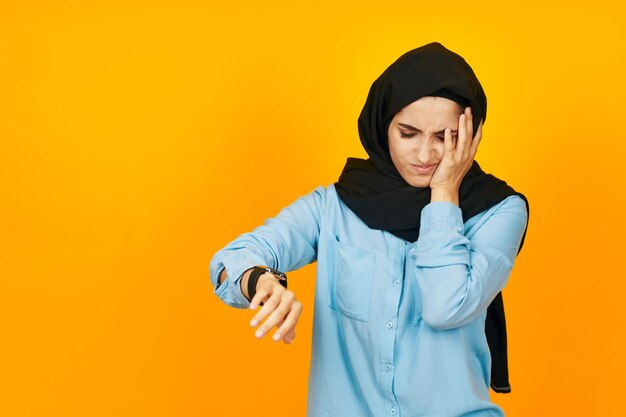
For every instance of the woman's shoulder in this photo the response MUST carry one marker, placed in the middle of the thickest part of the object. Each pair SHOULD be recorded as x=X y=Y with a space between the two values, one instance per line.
x=325 y=192
x=319 y=200
x=512 y=207
x=513 y=204
x=327 y=188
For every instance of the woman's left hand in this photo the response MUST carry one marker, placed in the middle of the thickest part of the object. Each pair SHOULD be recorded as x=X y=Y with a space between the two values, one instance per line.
x=458 y=159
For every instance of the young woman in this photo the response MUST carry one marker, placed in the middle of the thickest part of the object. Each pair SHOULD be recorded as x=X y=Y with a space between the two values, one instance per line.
x=413 y=247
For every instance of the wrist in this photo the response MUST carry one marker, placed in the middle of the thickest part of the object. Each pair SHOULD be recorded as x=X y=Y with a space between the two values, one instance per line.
x=260 y=272
x=444 y=194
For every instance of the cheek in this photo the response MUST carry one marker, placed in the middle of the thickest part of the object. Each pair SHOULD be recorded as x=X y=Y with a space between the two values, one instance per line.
x=396 y=147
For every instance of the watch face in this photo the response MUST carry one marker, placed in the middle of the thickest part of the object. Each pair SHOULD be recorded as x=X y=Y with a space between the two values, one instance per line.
x=277 y=273
x=280 y=275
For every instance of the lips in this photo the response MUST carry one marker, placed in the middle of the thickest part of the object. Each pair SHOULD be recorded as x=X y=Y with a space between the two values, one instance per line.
x=423 y=169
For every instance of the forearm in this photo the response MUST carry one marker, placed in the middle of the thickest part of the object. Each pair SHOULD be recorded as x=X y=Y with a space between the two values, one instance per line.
x=456 y=293
x=459 y=271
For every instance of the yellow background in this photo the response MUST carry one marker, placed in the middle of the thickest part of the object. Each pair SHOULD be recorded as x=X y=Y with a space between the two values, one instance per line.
x=138 y=138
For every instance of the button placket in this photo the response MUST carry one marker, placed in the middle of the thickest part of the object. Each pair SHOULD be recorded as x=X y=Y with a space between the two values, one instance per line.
x=396 y=269
x=400 y=264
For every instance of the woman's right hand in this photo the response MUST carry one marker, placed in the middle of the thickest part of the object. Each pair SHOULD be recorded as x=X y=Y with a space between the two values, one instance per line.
x=457 y=157
x=280 y=307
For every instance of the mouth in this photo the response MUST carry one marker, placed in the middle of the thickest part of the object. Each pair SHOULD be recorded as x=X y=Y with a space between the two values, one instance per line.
x=423 y=169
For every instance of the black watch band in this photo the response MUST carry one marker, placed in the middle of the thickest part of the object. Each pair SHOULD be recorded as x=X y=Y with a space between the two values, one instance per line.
x=256 y=273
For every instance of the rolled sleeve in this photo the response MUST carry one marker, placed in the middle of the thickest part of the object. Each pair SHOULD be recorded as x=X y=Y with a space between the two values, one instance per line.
x=236 y=263
x=441 y=212
x=441 y=240
x=286 y=242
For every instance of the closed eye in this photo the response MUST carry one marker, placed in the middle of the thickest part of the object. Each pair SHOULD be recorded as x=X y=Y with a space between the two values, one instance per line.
x=410 y=135
x=440 y=134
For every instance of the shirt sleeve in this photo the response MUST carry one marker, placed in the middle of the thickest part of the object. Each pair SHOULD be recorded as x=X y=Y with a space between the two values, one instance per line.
x=285 y=242
x=459 y=275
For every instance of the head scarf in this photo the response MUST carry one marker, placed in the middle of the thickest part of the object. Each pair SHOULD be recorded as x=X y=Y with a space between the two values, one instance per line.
x=374 y=190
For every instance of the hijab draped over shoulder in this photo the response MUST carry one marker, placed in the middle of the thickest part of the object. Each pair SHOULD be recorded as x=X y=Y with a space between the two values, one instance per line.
x=374 y=190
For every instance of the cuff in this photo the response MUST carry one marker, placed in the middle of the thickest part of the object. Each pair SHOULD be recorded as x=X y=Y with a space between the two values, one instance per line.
x=441 y=212
x=230 y=290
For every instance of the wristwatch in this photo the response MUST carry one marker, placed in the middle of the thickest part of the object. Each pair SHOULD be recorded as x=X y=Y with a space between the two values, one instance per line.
x=256 y=273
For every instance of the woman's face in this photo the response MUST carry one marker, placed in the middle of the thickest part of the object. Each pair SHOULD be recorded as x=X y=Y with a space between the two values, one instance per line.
x=416 y=137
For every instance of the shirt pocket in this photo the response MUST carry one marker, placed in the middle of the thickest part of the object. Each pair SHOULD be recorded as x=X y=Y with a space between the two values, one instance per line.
x=351 y=278
x=417 y=303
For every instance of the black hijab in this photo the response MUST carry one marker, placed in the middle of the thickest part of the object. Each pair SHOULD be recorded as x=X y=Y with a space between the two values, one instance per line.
x=374 y=190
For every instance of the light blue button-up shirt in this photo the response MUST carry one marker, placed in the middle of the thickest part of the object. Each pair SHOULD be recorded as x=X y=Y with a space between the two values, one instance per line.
x=398 y=327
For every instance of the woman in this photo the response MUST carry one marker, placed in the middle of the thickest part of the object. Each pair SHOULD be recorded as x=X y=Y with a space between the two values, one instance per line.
x=413 y=247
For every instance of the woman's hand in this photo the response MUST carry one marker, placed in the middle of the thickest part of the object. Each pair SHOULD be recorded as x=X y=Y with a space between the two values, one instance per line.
x=280 y=306
x=458 y=159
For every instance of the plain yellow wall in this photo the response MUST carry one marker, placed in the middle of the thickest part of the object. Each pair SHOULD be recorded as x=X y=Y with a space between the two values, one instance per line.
x=139 y=137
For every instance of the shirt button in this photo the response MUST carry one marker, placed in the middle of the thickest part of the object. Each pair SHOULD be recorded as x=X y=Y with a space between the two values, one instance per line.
x=389 y=325
x=396 y=282
x=393 y=411
x=387 y=368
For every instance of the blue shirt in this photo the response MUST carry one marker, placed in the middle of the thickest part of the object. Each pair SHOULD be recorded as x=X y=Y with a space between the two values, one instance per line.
x=398 y=327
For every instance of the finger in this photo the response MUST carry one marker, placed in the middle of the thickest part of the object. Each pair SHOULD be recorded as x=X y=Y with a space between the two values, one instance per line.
x=469 y=129
x=269 y=305
x=477 y=138
x=264 y=287
x=448 y=142
x=461 y=140
x=280 y=323
x=469 y=122
x=291 y=334
x=277 y=315
x=266 y=282
x=259 y=297
x=289 y=322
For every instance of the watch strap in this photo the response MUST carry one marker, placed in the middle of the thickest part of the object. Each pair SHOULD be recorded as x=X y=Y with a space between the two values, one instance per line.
x=256 y=273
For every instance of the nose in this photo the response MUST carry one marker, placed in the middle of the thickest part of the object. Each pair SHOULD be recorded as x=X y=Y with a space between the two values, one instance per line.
x=424 y=151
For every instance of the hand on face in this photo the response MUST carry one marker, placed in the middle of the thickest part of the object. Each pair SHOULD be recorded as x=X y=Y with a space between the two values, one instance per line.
x=457 y=157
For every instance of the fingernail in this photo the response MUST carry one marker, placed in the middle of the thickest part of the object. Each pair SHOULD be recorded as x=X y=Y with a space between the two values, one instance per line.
x=253 y=323
x=252 y=306
x=276 y=337
x=259 y=333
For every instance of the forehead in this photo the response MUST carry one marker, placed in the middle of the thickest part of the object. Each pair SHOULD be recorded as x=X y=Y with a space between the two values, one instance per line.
x=430 y=112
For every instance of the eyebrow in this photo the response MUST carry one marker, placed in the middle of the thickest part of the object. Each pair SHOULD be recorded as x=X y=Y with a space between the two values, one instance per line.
x=417 y=130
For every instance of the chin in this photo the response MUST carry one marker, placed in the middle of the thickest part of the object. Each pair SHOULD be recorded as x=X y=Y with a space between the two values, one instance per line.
x=419 y=182
x=414 y=180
